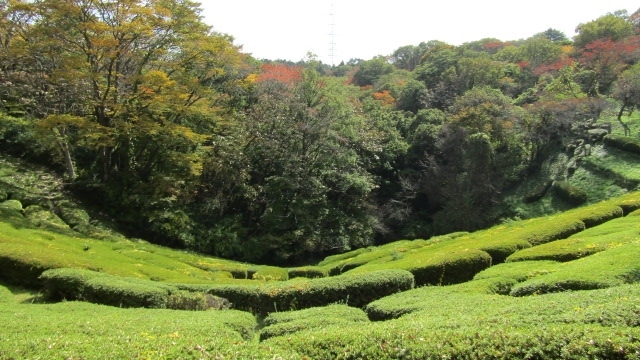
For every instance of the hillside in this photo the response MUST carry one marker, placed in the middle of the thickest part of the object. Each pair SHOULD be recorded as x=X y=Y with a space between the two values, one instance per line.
x=559 y=286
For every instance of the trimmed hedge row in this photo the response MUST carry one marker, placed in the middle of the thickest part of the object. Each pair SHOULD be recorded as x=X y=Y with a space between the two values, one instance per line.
x=355 y=290
x=594 y=239
x=100 y=288
x=283 y=323
x=380 y=254
x=443 y=265
x=310 y=272
x=105 y=289
x=394 y=340
x=612 y=267
x=550 y=229
x=623 y=142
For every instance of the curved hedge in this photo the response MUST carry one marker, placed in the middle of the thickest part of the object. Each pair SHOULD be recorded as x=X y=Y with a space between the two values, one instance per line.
x=100 y=288
x=616 y=266
x=283 y=323
x=310 y=272
x=355 y=290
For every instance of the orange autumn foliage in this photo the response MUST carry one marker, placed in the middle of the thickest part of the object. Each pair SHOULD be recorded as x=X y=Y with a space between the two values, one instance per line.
x=280 y=72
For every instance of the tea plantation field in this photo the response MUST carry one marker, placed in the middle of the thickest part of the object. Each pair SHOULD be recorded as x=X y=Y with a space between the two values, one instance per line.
x=560 y=286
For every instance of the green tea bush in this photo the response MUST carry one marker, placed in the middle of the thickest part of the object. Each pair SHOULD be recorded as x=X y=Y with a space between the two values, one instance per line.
x=268 y=273
x=595 y=239
x=380 y=254
x=395 y=341
x=99 y=288
x=440 y=265
x=623 y=142
x=519 y=271
x=616 y=266
x=5 y=295
x=310 y=272
x=124 y=292
x=547 y=229
x=570 y=193
x=284 y=323
x=331 y=259
x=596 y=214
x=355 y=290
x=186 y=300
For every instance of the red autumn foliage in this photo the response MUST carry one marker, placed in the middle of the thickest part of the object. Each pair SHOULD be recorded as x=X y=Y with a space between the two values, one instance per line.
x=606 y=52
x=280 y=72
x=554 y=66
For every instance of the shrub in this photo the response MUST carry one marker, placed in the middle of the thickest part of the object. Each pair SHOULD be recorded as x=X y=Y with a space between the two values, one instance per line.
x=283 y=323
x=547 y=229
x=592 y=240
x=186 y=300
x=623 y=142
x=5 y=295
x=310 y=272
x=597 y=214
x=268 y=273
x=99 y=288
x=126 y=292
x=538 y=193
x=440 y=265
x=569 y=193
x=612 y=267
x=355 y=290
x=380 y=254
x=519 y=271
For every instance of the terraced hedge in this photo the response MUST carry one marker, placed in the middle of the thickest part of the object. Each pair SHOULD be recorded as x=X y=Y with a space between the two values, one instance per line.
x=593 y=240
x=284 y=323
x=616 y=266
x=105 y=289
x=300 y=293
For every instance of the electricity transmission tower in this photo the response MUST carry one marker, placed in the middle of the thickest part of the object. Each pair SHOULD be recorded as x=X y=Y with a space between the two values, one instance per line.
x=332 y=34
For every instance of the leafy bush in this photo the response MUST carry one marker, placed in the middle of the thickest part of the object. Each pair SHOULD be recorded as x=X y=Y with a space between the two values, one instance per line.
x=310 y=272
x=268 y=273
x=355 y=290
x=538 y=193
x=623 y=142
x=5 y=295
x=283 y=323
x=551 y=228
x=519 y=271
x=441 y=264
x=595 y=239
x=612 y=267
x=596 y=214
x=186 y=300
x=99 y=288
x=379 y=254
x=570 y=193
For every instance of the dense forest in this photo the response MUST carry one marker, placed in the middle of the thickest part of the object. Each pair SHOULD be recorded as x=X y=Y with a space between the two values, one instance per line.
x=169 y=129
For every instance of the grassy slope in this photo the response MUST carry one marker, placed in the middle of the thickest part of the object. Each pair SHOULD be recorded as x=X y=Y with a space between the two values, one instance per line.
x=470 y=319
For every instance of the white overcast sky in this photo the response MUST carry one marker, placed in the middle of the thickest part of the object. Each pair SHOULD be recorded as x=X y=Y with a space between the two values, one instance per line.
x=288 y=29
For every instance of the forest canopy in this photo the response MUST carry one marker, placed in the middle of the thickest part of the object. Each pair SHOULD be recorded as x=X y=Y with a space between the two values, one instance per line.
x=167 y=127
